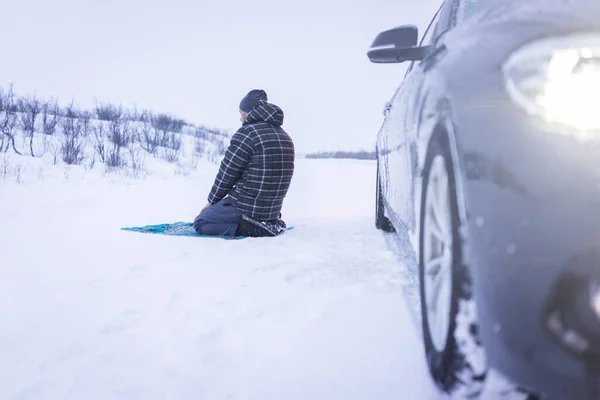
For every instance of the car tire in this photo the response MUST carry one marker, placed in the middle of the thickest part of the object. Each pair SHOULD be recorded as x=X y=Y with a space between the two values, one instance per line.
x=457 y=364
x=381 y=221
x=455 y=357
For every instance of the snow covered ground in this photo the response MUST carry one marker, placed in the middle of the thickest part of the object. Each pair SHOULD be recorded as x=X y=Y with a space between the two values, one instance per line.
x=91 y=312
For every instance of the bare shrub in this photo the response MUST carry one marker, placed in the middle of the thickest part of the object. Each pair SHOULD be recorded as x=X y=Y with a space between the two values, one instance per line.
x=3 y=100
x=5 y=167
x=150 y=138
x=99 y=142
x=119 y=135
x=19 y=171
x=50 y=118
x=171 y=146
x=167 y=123
x=91 y=159
x=108 y=112
x=70 y=111
x=144 y=116
x=132 y=115
x=213 y=156
x=183 y=169
x=55 y=152
x=85 y=122
x=169 y=155
x=221 y=148
x=136 y=162
x=32 y=108
x=195 y=159
x=73 y=134
x=134 y=131
x=199 y=146
x=8 y=122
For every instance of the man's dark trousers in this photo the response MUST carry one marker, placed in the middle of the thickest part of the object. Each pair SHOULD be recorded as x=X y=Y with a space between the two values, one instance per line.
x=220 y=219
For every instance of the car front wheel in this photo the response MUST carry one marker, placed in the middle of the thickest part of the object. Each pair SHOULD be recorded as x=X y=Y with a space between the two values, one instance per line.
x=456 y=358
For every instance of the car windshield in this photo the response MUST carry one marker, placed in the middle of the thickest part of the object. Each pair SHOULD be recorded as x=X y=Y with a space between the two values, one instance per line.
x=469 y=7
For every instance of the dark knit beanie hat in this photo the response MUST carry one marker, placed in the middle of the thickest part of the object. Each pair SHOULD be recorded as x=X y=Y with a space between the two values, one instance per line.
x=252 y=98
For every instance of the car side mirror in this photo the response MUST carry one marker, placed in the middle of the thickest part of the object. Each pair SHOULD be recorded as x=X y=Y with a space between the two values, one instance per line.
x=397 y=45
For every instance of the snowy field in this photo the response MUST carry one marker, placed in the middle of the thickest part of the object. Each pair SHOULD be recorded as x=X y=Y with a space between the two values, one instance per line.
x=92 y=312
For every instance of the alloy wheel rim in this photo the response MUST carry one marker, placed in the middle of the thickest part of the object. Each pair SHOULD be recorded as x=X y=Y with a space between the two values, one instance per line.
x=438 y=253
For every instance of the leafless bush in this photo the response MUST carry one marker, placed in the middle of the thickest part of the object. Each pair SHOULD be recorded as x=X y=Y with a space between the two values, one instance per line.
x=221 y=148
x=169 y=155
x=199 y=146
x=167 y=123
x=114 y=158
x=50 y=118
x=201 y=133
x=108 y=112
x=170 y=150
x=3 y=100
x=153 y=137
x=19 y=171
x=119 y=133
x=99 y=142
x=85 y=121
x=71 y=111
x=32 y=108
x=73 y=133
x=3 y=138
x=150 y=138
x=210 y=134
x=76 y=128
x=172 y=141
x=136 y=162
x=183 y=169
x=5 y=167
x=120 y=136
x=12 y=171
x=145 y=116
x=55 y=152
x=132 y=115
x=195 y=159
x=213 y=156
x=91 y=161
x=8 y=122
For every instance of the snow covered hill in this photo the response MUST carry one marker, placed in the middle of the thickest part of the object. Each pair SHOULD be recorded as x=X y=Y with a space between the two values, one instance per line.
x=92 y=312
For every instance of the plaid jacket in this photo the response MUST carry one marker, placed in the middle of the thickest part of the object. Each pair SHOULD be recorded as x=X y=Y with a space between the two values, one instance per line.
x=258 y=165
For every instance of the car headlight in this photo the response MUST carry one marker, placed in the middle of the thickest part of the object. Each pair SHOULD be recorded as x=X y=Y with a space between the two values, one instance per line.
x=558 y=79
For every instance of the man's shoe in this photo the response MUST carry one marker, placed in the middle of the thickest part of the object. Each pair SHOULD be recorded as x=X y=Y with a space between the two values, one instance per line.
x=252 y=228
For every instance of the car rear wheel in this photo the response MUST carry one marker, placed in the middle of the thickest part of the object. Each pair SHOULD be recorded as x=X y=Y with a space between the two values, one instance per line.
x=381 y=221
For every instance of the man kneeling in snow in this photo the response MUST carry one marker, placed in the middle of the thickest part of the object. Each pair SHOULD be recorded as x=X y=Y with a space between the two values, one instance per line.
x=254 y=177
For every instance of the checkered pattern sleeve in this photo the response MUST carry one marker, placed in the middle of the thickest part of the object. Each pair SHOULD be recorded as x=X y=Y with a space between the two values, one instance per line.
x=237 y=157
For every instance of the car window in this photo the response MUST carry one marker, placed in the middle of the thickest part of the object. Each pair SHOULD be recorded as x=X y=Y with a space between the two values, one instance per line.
x=428 y=36
x=447 y=18
x=467 y=8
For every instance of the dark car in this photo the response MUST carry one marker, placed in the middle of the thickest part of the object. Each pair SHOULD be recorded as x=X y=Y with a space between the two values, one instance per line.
x=488 y=161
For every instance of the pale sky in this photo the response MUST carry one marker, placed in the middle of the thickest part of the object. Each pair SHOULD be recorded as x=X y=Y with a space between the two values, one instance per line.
x=197 y=59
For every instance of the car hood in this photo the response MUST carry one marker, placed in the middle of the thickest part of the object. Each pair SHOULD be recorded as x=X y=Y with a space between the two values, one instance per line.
x=502 y=27
x=476 y=49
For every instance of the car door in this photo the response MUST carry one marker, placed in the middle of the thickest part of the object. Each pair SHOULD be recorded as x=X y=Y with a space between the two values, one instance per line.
x=400 y=149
